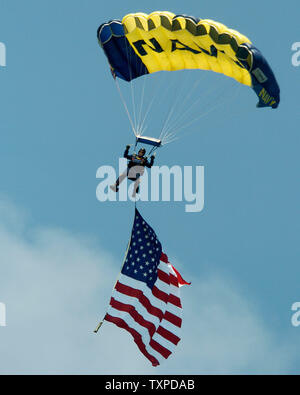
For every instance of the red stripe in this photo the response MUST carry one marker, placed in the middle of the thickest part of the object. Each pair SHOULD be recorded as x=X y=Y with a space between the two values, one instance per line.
x=160 y=294
x=126 y=290
x=167 y=278
x=168 y=335
x=136 y=336
x=181 y=281
x=173 y=319
x=174 y=300
x=174 y=280
x=134 y=314
x=163 y=276
x=160 y=349
x=167 y=298
x=146 y=324
x=164 y=258
x=136 y=293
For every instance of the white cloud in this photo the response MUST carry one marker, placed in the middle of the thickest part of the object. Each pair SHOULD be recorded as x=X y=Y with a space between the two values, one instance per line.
x=230 y=334
x=56 y=285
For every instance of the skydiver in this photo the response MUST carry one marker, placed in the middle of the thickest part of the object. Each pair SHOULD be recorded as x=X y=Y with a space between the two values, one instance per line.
x=135 y=169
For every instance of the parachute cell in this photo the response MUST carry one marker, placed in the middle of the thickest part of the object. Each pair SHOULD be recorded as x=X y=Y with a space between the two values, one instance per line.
x=143 y=44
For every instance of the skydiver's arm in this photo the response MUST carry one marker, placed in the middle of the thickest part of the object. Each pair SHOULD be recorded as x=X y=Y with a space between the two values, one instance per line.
x=126 y=152
x=150 y=164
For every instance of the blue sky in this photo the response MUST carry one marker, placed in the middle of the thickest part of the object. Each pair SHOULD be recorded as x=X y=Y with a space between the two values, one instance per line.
x=61 y=118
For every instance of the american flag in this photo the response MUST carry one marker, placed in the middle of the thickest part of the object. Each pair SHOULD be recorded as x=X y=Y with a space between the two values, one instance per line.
x=146 y=298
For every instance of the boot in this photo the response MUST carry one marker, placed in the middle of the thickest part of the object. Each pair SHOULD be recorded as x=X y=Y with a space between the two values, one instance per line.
x=114 y=188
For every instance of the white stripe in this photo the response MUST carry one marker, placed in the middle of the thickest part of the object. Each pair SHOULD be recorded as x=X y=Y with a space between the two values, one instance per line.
x=171 y=328
x=177 y=311
x=138 y=306
x=169 y=289
x=167 y=268
x=162 y=286
x=164 y=267
x=161 y=305
x=170 y=306
x=147 y=316
x=131 y=282
x=133 y=301
x=140 y=329
x=164 y=342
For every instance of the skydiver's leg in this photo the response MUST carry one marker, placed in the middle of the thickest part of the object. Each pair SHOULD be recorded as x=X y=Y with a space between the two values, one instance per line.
x=115 y=187
x=136 y=187
x=121 y=178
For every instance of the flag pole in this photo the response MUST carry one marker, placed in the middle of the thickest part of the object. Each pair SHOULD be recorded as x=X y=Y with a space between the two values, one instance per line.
x=99 y=326
x=101 y=322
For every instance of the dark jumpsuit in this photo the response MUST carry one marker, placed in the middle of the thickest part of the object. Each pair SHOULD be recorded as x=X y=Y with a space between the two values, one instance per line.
x=139 y=163
x=135 y=160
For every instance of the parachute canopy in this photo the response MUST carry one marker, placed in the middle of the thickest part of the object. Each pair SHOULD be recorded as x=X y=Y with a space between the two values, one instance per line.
x=143 y=44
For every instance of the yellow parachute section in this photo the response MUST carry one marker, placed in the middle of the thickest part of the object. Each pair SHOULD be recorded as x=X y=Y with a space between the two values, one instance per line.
x=142 y=44
x=165 y=43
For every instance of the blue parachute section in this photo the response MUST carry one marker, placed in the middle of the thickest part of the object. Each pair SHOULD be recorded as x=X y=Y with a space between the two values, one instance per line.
x=263 y=79
x=123 y=60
